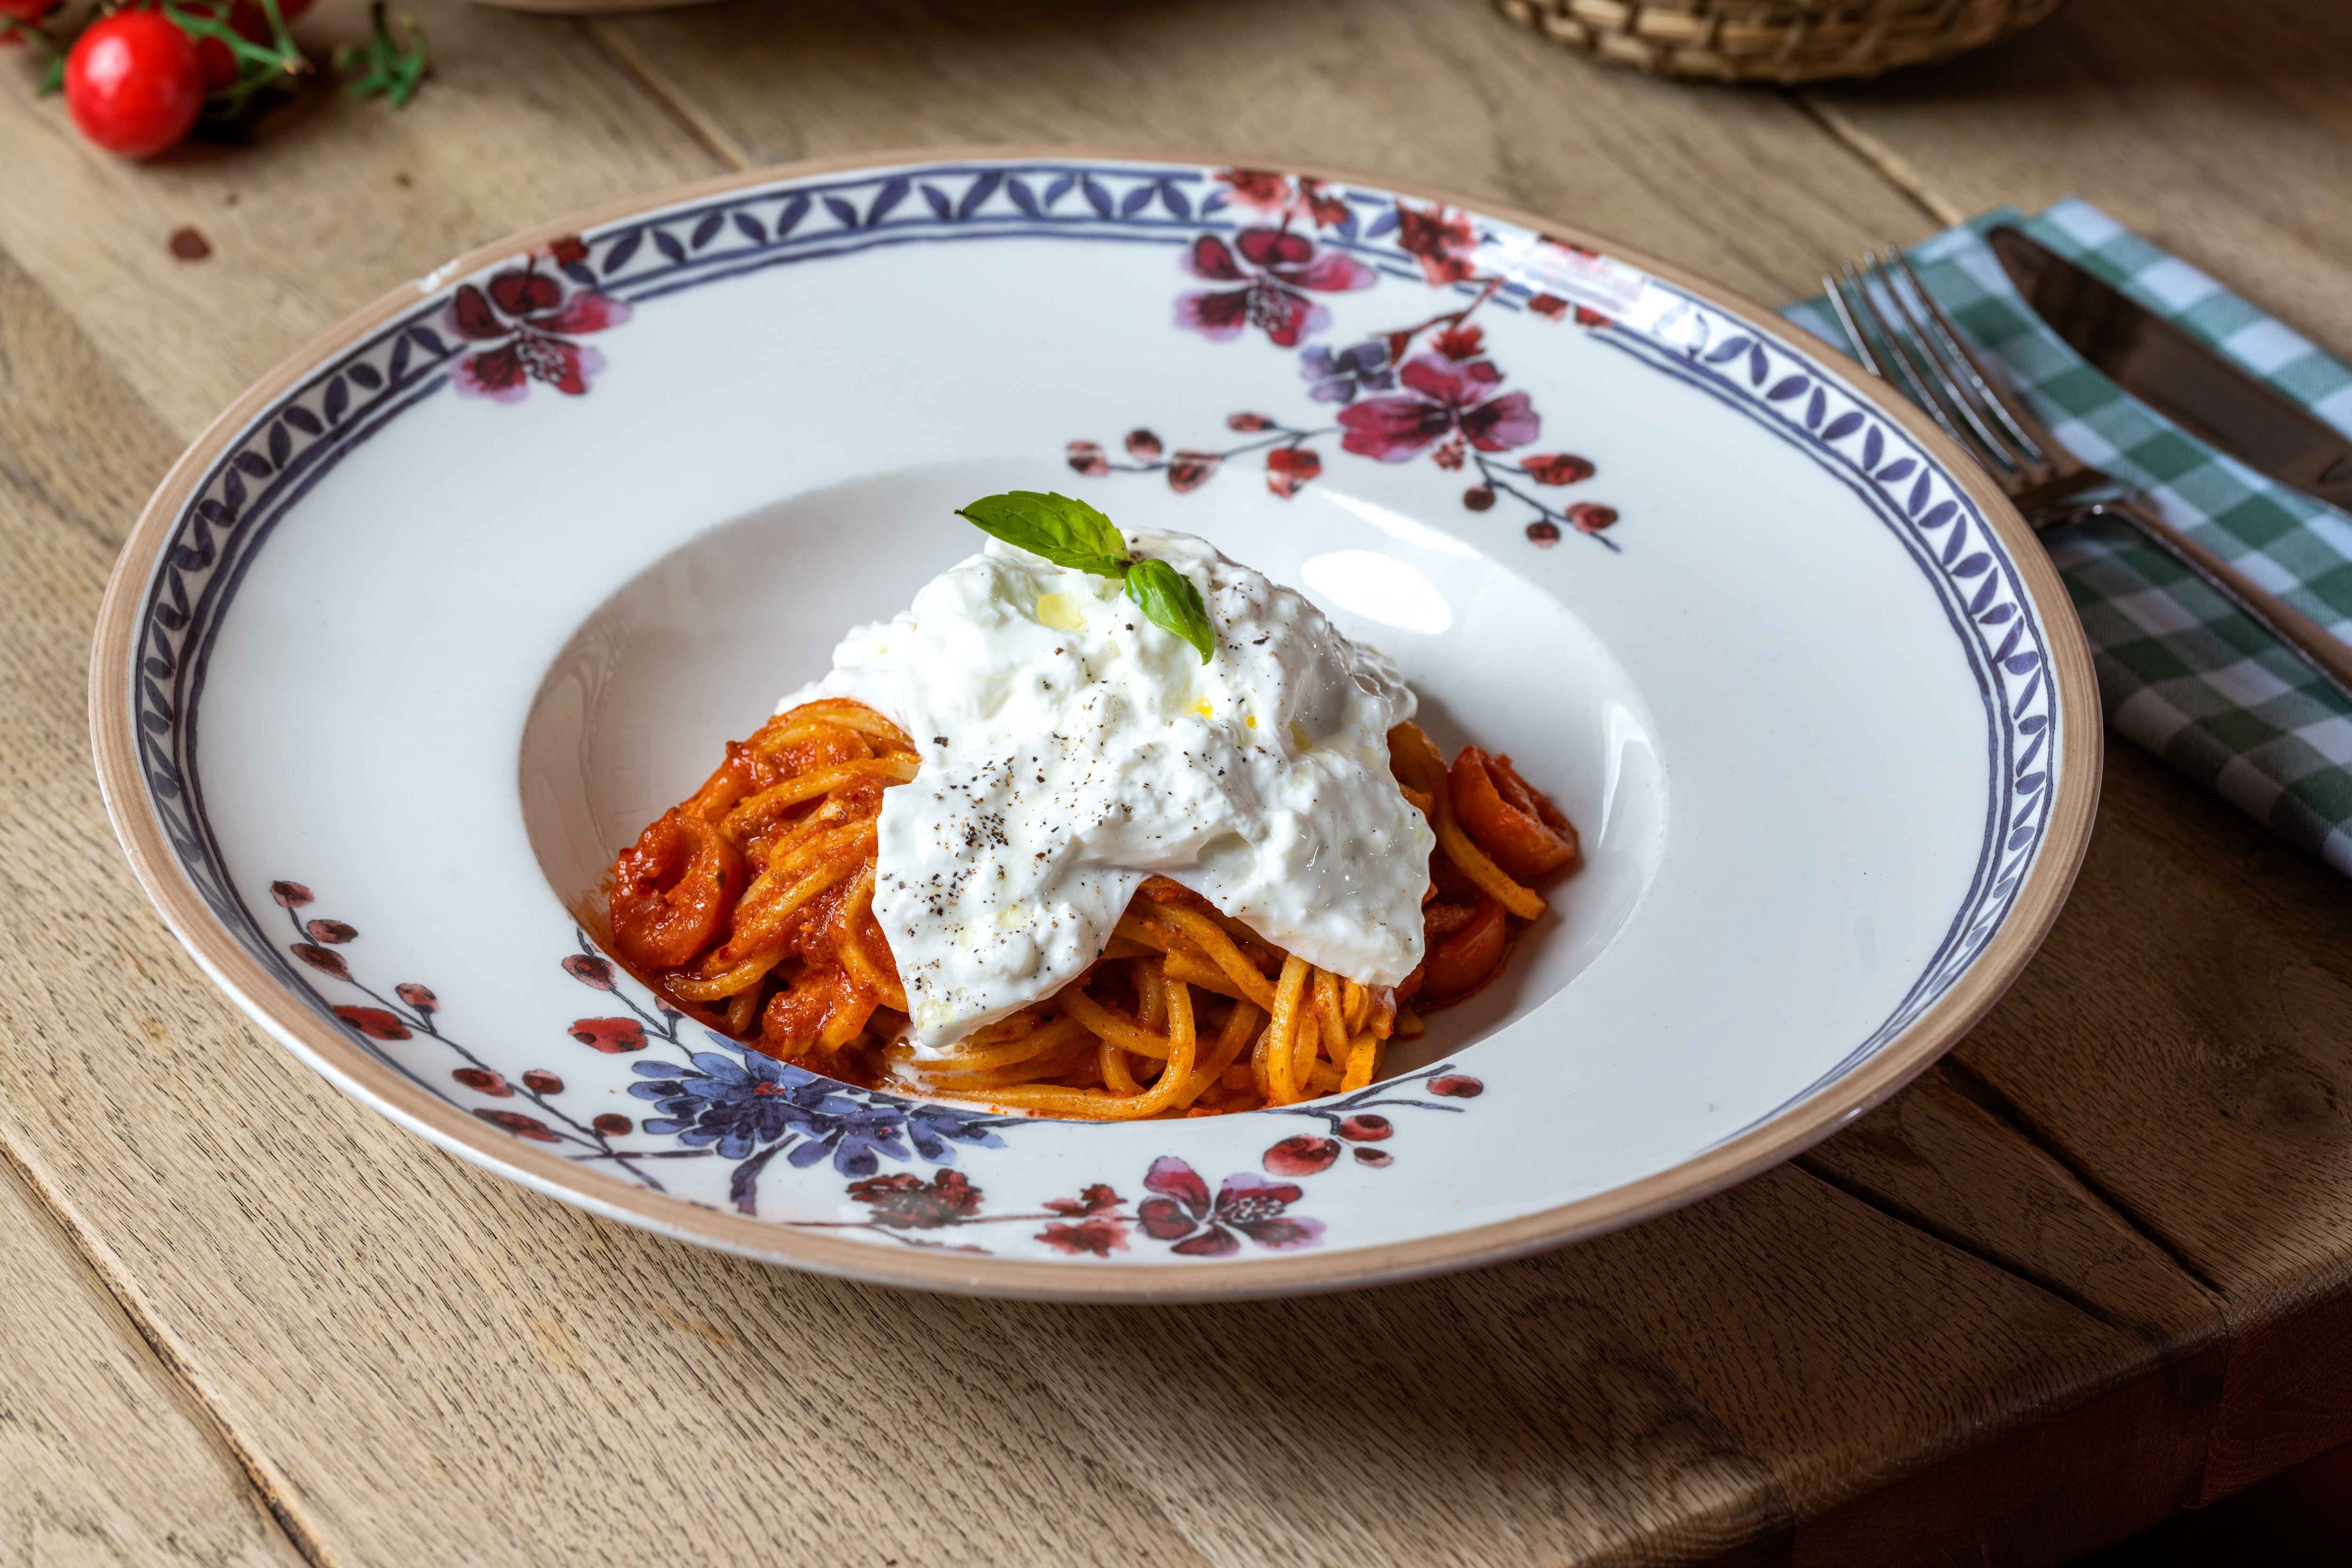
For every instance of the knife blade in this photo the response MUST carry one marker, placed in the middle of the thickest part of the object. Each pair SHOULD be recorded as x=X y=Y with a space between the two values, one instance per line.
x=2182 y=379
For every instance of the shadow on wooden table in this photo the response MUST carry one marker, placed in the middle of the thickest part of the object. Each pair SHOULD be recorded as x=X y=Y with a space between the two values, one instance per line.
x=2302 y=1517
x=2096 y=48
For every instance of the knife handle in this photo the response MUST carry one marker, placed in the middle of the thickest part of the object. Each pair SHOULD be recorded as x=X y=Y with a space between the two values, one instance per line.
x=2329 y=656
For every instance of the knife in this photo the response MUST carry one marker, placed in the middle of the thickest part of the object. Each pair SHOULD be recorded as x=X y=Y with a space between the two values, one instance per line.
x=2172 y=373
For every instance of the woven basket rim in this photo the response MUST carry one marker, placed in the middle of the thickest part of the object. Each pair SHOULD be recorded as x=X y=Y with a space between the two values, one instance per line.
x=1775 y=40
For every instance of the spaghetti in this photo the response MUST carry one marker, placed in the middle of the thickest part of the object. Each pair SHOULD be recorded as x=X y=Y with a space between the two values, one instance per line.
x=750 y=906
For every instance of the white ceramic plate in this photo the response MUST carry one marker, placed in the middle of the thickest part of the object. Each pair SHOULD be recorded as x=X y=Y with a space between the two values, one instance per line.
x=438 y=616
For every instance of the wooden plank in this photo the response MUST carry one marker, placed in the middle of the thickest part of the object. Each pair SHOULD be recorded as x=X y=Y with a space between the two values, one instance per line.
x=1501 y=1418
x=2040 y=1492
x=1718 y=1376
x=1910 y=1398
x=1938 y=1158
x=111 y=1455
x=108 y=1459
x=2201 y=987
x=2223 y=134
x=1738 y=185
x=524 y=119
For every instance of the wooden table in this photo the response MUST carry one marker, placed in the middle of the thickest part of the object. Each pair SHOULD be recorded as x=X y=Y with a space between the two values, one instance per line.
x=2095 y=1267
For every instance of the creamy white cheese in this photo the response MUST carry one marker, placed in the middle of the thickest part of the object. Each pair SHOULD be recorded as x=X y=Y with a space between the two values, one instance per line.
x=1070 y=747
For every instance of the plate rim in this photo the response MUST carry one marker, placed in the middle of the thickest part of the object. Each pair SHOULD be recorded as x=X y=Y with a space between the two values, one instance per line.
x=1799 y=1126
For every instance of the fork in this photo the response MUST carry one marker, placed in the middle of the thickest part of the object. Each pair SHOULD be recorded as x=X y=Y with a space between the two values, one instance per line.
x=1909 y=343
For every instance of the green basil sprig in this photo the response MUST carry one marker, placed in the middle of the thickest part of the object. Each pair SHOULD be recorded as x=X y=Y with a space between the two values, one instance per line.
x=1074 y=535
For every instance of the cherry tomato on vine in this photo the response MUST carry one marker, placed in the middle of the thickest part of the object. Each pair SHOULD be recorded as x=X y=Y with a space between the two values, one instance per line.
x=251 y=23
x=214 y=62
x=132 y=83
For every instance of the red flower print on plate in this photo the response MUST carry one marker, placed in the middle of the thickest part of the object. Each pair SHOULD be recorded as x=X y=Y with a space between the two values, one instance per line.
x=1442 y=401
x=586 y=1140
x=374 y=1021
x=906 y=1202
x=1191 y=471
x=1326 y=210
x=520 y=1125
x=1094 y=1228
x=1446 y=402
x=1261 y=190
x=1288 y=468
x=1552 y=307
x=482 y=1081
x=1093 y=1238
x=1556 y=468
x=1184 y=1213
x=1301 y=1157
x=611 y=1035
x=1461 y=343
x=526 y=320
x=589 y=971
x=322 y=958
x=1276 y=270
x=1277 y=197
x=1441 y=241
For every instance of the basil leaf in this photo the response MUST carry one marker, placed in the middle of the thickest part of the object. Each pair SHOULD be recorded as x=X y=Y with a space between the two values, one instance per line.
x=1066 y=531
x=1168 y=599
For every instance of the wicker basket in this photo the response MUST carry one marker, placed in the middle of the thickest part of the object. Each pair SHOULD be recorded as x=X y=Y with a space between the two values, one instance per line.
x=1775 y=40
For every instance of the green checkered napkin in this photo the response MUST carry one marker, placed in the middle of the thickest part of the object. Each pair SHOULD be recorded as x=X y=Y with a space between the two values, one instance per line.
x=2180 y=672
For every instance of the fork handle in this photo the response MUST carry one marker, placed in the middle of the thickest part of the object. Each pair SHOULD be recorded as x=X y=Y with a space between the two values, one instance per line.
x=2303 y=636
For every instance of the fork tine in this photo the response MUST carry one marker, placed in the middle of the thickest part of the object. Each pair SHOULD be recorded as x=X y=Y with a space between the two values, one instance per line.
x=1832 y=285
x=1939 y=352
x=1869 y=326
x=1859 y=314
x=1940 y=399
x=2030 y=437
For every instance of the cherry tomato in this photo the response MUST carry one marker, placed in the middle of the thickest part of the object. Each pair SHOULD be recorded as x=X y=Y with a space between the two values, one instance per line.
x=132 y=83
x=28 y=12
x=250 y=22
x=1518 y=827
x=214 y=61
x=1461 y=960
x=673 y=891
